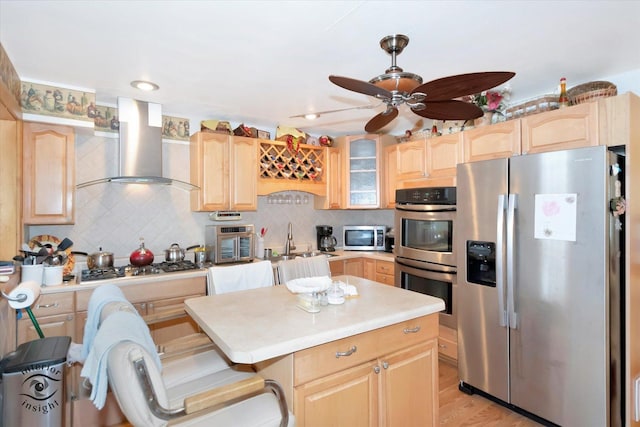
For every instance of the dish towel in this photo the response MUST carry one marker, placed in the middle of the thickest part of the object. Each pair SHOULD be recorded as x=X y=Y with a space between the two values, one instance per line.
x=239 y=277
x=103 y=295
x=118 y=327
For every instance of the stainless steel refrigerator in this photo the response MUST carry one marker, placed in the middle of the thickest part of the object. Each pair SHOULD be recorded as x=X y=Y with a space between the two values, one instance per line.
x=539 y=300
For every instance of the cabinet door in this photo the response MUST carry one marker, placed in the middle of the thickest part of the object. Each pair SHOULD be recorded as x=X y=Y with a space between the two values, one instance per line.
x=347 y=398
x=173 y=328
x=564 y=129
x=362 y=177
x=51 y=326
x=48 y=174
x=354 y=267
x=412 y=157
x=410 y=387
x=443 y=155
x=369 y=268
x=209 y=163
x=391 y=170
x=335 y=185
x=243 y=174
x=336 y=267
x=497 y=141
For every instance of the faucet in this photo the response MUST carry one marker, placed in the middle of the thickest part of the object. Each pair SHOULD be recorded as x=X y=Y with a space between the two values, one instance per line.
x=289 y=244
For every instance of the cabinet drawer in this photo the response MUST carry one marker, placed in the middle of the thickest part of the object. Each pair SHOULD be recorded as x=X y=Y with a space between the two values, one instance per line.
x=321 y=360
x=448 y=342
x=50 y=304
x=386 y=279
x=384 y=267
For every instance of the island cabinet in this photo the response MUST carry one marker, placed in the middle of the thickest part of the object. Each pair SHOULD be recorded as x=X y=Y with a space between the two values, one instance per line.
x=563 y=129
x=225 y=169
x=385 y=377
x=497 y=141
x=48 y=174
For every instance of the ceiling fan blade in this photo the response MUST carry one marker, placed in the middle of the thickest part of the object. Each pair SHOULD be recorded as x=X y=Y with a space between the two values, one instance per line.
x=462 y=84
x=381 y=120
x=449 y=110
x=361 y=87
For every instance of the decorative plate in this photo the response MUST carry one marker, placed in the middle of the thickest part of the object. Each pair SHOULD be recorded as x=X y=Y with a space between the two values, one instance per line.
x=54 y=241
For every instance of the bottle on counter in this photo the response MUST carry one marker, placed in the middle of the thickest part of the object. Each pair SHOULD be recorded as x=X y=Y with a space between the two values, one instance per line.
x=563 y=99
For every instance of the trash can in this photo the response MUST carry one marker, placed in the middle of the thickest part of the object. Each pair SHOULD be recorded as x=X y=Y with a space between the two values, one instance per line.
x=32 y=392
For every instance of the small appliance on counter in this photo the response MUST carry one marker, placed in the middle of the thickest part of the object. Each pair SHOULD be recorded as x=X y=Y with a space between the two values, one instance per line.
x=229 y=243
x=326 y=241
x=364 y=237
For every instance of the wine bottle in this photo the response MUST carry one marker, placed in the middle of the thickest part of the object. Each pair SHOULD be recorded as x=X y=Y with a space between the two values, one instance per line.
x=563 y=99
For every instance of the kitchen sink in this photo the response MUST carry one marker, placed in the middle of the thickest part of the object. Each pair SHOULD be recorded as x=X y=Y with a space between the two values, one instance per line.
x=300 y=254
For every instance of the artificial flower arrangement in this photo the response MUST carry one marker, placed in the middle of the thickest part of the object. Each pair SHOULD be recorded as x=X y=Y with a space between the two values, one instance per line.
x=491 y=100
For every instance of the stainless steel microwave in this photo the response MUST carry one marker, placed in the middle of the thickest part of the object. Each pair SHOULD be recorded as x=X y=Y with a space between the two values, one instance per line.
x=363 y=237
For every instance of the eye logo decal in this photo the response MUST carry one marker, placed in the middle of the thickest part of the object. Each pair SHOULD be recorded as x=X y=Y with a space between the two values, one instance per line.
x=40 y=387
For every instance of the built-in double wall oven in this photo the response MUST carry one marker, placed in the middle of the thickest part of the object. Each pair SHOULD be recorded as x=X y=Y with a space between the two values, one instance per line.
x=424 y=245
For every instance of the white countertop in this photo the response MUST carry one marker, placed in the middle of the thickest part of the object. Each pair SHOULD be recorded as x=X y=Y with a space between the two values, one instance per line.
x=259 y=324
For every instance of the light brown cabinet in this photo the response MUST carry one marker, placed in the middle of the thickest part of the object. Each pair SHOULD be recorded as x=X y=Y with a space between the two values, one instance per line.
x=497 y=141
x=55 y=314
x=354 y=267
x=334 y=197
x=386 y=377
x=363 y=165
x=564 y=129
x=411 y=160
x=448 y=344
x=369 y=268
x=391 y=173
x=48 y=174
x=385 y=272
x=224 y=168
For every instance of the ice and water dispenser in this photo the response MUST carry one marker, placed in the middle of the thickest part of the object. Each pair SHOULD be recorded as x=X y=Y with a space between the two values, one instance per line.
x=481 y=263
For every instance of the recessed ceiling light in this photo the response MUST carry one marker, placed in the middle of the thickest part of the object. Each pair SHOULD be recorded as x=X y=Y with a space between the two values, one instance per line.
x=144 y=85
x=311 y=116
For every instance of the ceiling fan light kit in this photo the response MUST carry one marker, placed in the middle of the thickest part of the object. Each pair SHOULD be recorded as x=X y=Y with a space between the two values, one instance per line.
x=433 y=100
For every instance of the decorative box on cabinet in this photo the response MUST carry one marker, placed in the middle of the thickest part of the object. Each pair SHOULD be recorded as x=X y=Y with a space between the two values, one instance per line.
x=364 y=164
x=48 y=174
x=564 y=129
x=282 y=169
x=225 y=170
x=497 y=141
x=384 y=377
x=334 y=198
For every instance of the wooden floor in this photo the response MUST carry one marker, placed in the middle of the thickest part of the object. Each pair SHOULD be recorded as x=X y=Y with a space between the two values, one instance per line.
x=460 y=409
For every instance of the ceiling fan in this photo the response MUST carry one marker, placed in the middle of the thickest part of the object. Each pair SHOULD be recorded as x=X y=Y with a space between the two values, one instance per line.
x=433 y=100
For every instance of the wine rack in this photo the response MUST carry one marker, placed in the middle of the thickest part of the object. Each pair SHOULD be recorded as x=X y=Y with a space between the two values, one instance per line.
x=278 y=162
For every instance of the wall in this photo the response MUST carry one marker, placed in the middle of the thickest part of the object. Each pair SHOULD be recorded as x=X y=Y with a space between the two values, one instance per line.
x=114 y=216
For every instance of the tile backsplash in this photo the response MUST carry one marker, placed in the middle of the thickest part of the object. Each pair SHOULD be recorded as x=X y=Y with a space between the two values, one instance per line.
x=115 y=216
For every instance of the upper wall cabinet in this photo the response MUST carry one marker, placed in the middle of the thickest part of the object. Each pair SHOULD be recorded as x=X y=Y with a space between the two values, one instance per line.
x=334 y=198
x=48 y=174
x=492 y=142
x=225 y=169
x=564 y=129
x=285 y=168
x=364 y=180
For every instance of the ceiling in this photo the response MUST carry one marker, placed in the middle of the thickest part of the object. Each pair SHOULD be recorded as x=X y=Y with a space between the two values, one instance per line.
x=260 y=62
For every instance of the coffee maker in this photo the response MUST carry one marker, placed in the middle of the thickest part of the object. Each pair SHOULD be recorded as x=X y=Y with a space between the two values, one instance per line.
x=326 y=241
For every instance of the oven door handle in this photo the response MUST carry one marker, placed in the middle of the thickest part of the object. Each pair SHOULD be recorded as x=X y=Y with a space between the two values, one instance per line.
x=421 y=265
x=500 y=242
x=425 y=208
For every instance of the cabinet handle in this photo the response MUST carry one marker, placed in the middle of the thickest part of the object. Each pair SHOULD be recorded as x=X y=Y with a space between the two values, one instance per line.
x=70 y=317
x=376 y=369
x=442 y=345
x=385 y=365
x=349 y=352
x=411 y=330
x=55 y=304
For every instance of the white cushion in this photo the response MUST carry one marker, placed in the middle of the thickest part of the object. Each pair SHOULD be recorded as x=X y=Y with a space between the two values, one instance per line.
x=184 y=369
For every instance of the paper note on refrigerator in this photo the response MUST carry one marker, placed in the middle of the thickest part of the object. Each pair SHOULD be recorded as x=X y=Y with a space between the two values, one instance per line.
x=555 y=216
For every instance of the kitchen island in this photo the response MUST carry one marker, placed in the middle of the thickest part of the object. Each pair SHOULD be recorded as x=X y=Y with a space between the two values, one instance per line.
x=369 y=361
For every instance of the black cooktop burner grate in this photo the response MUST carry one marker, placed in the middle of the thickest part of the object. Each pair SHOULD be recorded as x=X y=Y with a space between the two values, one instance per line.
x=131 y=270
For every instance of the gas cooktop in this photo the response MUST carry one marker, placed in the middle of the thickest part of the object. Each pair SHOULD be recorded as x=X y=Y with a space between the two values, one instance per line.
x=132 y=270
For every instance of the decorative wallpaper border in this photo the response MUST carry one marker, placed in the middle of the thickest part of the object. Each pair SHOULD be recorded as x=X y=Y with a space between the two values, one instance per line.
x=8 y=74
x=58 y=101
x=175 y=128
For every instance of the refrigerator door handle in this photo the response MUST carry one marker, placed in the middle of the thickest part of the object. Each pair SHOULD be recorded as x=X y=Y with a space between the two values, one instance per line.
x=513 y=316
x=502 y=313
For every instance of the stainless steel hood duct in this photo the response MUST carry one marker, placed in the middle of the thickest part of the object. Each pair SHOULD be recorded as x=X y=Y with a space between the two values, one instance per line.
x=140 y=148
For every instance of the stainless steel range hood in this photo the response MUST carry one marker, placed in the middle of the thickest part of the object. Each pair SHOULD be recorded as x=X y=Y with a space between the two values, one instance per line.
x=140 y=148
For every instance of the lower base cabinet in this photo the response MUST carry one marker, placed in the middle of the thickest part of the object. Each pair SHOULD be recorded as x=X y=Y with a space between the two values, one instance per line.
x=386 y=377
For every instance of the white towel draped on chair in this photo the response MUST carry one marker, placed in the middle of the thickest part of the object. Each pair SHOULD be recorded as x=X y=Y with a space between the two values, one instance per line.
x=303 y=267
x=223 y=279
